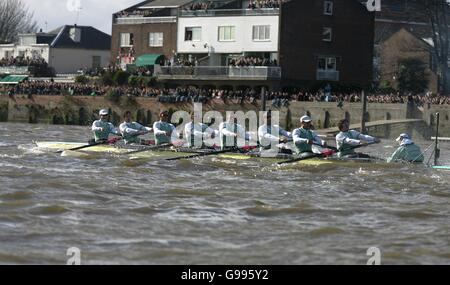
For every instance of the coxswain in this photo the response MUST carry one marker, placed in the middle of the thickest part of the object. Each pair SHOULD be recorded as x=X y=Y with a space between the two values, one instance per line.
x=408 y=151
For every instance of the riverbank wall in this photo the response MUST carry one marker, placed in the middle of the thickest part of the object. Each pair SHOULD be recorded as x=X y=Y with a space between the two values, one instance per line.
x=83 y=110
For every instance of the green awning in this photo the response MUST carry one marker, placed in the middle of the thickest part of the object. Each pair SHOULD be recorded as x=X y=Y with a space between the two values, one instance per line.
x=149 y=60
x=13 y=79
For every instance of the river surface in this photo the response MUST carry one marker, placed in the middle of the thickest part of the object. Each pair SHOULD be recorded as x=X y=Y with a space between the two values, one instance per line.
x=214 y=211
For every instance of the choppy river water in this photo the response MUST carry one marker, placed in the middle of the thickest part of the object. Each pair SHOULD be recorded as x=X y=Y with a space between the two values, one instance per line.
x=213 y=211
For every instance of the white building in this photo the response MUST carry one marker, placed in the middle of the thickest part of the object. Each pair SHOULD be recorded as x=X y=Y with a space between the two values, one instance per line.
x=66 y=49
x=224 y=37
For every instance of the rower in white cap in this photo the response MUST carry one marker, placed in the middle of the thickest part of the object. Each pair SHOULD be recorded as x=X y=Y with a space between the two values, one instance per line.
x=102 y=128
x=407 y=152
x=304 y=137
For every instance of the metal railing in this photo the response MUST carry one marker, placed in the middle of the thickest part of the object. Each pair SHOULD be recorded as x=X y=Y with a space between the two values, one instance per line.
x=144 y=20
x=229 y=12
x=332 y=75
x=219 y=72
x=18 y=70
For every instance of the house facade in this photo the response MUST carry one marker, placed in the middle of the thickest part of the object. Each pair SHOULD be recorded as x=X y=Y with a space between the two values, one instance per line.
x=405 y=45
x=252 y=43
x=66 y=50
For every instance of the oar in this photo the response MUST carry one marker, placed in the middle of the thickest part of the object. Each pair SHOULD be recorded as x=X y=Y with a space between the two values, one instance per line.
x=300 y=159
x=201 y=154
x=358 y=146
x=321 y=154
x=329 y=147
x=155 y=147
x=86 y=146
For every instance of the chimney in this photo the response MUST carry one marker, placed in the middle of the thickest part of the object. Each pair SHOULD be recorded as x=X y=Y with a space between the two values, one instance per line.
x=75 y=34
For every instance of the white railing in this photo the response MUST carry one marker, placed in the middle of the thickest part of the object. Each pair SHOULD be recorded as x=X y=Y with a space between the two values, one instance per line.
x=230 y=12
x=219 y=72
x=332 y=75
x=19 y=70
x=144 y=20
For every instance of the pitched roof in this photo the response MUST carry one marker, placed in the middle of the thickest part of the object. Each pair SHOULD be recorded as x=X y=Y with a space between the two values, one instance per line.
x=165 y=3
x=91 y=38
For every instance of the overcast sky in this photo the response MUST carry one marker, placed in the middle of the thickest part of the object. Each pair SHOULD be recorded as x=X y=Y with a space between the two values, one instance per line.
x=96 y=13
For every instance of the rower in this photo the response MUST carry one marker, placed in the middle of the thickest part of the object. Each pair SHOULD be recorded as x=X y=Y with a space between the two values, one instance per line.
x=197 y=133
x=230 y=132
x=102 y=128
x=304 y=138
x=269 y=134
x=347 y=139
x=407 y=152
x=131 y=130
x=164 y=131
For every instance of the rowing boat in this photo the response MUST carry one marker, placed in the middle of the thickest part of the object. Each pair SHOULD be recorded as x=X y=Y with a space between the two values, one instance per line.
x=170 y=153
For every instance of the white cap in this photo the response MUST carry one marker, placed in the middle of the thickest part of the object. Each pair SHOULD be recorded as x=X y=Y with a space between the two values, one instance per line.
x=305 y=119
x=103 y=112
x=403 y=136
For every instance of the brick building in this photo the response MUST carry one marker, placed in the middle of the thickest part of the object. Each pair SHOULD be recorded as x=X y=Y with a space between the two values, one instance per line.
x=291 y=41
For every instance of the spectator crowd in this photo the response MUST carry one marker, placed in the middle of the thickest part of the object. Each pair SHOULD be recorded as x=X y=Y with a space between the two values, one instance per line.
x=258 y=4
x=22 y=61
x=204 y=95
x=252 y=61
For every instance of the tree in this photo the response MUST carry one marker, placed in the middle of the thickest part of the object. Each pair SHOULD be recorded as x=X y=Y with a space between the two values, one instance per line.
x=15 y=18
x=412 y=76
x=437 y=13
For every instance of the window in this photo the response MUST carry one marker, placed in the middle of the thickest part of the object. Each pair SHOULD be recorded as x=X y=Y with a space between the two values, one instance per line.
x=9 y=53
x=193 y=34
x=156 y=39
x=327 y=34
x=226 y=33
x=326 y=63
x=96 y=61
x=328 y=8
x=261 y=33
x=126 y=39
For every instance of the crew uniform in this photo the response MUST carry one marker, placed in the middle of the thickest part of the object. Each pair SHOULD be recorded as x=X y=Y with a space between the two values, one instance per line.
x=196 y=133
x=160 y=128
x=301 y=137
x=102 y=129
x=269 y=135
x=131 y=131
x=407 y=152
x=226 y=131
x=345 y=141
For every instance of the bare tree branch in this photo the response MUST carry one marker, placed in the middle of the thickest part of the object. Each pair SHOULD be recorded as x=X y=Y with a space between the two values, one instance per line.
x=15 y=18
x=437 y=13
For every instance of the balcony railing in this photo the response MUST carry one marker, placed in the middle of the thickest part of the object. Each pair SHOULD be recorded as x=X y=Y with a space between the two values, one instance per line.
x=230 y=12
x=17 y=70
x=332 y=75
x=219 y=72
x=144 y=20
